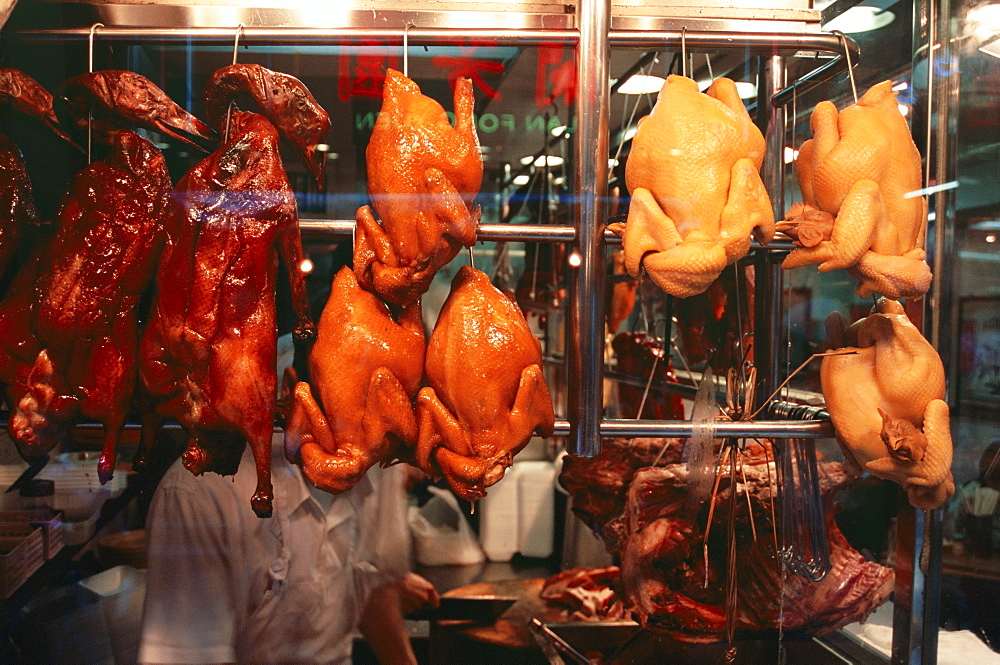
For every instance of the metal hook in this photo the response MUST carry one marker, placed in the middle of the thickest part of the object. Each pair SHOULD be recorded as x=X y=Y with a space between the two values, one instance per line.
x=684 y=61
x=850 y=68
x=236 y=48
x=354 y=237
x=708 y=63
x=90 y=70
x=406 y=48
x=472 y=259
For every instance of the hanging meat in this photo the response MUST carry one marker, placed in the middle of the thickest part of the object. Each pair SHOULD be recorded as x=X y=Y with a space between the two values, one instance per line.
x=644 y=516
x=885 y=398
x=423 y=175
x=366 y=367
x=641 y=356
x=693 y=172
x=209 y=353
x=282 y=99
x=485 y=392
x=68 y=327
x=860 y=177
x=109 y=99
x=18 y=215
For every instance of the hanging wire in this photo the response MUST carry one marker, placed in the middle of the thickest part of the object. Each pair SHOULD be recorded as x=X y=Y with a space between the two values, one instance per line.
x=684 y=62
x=90 y=70
x=708 y=63
x=236 y=47
x=406 y=48
x=850 y=68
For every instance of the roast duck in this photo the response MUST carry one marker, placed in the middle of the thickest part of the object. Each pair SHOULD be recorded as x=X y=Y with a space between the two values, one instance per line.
x=485 y=393
x=423 y=174
x=68 y=326
x=18 y=215
x=209 y=353
x=886 y=403
x=693 y=172
x=860 y=179
x=107 y=99
x=644 y=516
x=365 y=367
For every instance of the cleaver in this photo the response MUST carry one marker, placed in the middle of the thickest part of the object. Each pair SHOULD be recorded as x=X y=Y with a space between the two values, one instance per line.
x=476 y=609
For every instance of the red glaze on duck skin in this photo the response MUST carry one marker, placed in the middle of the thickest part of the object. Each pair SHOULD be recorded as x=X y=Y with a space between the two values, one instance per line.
x=208 y=356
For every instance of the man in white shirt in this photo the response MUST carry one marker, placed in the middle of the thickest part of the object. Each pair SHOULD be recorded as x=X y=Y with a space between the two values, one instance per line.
x=227 y=587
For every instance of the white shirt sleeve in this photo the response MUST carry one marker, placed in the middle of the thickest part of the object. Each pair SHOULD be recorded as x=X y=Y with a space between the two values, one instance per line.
x=192 y=591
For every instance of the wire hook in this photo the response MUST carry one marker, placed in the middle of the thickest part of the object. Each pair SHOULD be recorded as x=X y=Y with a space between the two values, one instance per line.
x=850 y=67
x=406 y=48
x=684 y=60
x=236 y=48
x=90 y=70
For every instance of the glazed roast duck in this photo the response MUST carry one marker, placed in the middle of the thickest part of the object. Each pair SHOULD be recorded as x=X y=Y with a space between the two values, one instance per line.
x=485 y=393
x=365 y=369
x=886 y=403
x=423 y=174
x=693 y=172
x=68 y=326
x=860 y=178
x=208 y=355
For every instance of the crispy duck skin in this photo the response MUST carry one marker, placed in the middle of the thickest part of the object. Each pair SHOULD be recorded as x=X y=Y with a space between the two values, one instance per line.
x=423 y=174
x=24 y=94
x=208 y=356
x=365 y=367
x=18 y=213
x=68 y=327
x=283 y=99
x=119 y=98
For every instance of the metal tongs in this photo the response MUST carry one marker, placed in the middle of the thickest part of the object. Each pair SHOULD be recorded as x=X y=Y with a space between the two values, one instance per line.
x=556 y=648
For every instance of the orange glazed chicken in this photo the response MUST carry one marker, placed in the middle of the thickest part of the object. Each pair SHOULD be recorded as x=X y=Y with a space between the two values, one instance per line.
x=860 y=178
x=696 y=190
x=886 y=403
x=422 y=177
x=485 y=394
x=366 y=367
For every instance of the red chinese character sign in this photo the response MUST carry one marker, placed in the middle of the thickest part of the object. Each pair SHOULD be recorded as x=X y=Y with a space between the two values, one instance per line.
x=555 y=76
x=363 y=74
x=464 y=65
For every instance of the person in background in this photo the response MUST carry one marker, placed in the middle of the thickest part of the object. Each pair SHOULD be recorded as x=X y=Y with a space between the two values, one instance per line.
x=225 y=586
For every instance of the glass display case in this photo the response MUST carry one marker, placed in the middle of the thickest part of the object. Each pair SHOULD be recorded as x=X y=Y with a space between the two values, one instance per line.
x=558 y=92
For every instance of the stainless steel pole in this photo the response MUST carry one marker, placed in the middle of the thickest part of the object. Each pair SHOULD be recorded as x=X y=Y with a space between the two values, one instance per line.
x=585 y=343
x=740 y=429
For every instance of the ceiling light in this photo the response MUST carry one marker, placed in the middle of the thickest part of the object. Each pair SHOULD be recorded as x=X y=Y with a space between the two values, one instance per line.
x=558 y=181
x=322 y=147
x=306 y=266
x=521 y=180
x=904 y=109
x=991 y=238
x=558 y=131
x=551 y=160
x=983 y=22
x=575 y=259
x=629 y=133
x=527 y=159
x=861 y=19
x=790 y=155
x=901 y=86
x=612 y=163
x=641 y=84
x=992 y=47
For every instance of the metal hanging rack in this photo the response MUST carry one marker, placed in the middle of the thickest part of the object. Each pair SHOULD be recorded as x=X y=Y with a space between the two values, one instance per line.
x=588 y=237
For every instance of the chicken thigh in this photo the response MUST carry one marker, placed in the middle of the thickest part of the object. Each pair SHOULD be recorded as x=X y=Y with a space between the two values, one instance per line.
x=366 y=368
x=423 y=175
x=208 y=356
x=860 y=178
x=696 y=190
x=485 y=394
x=885 y=400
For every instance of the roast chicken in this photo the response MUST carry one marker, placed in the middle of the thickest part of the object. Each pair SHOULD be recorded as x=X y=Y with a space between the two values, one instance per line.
x=886 y=403
x=208 y=356
x=696 y=190
x=283 y=99
x=366 y=367
x=860 y=179
x=485 y=392
x=423 y=175
x=109 y=99
x=68 y=327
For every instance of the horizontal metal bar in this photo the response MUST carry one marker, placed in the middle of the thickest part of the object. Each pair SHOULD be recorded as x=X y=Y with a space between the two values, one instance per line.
x=778 y=429
x=765 y=43
x=326 y=229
